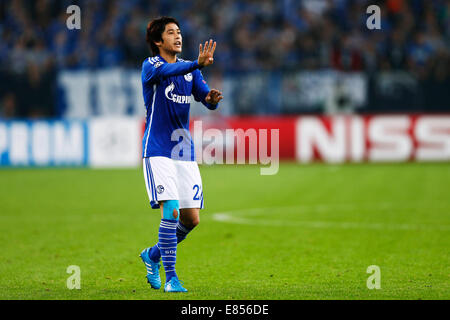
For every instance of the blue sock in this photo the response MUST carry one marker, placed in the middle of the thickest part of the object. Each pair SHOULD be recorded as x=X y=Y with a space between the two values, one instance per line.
x=168 y=247
x=154 y=253
x=182 y=232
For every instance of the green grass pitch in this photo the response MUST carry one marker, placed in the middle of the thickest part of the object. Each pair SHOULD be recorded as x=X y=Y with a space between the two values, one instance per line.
x=309 y=232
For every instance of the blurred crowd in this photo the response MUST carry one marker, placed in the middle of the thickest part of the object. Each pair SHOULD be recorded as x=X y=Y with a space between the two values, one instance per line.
x=252 y=35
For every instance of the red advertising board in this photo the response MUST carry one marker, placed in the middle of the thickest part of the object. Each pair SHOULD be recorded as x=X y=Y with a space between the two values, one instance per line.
x=371 y=138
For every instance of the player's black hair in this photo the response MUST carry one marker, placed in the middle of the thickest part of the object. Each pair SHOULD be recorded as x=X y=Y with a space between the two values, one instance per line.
x=155 y=30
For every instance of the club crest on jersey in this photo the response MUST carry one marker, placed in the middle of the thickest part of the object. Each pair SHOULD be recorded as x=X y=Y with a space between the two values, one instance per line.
x=174 y=97
x=188 y=77
x=160 y=189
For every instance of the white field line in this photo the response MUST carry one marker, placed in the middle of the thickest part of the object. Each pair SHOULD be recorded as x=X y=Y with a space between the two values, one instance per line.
x=240 y=217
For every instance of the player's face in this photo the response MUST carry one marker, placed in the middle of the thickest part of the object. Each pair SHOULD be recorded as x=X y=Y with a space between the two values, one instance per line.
x=172 y=39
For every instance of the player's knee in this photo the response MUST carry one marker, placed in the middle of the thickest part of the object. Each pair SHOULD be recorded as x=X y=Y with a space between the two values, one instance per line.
x=192 y=222
x=195 y=222
x=171 y=210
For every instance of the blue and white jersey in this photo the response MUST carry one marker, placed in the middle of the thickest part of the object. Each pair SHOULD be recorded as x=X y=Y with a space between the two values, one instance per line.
x=167 y=91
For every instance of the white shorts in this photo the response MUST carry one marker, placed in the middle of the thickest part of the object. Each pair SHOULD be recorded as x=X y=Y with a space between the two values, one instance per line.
x=168 y=179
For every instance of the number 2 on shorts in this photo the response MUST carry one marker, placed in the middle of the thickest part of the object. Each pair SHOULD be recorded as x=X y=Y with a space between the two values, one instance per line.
x=196 y=196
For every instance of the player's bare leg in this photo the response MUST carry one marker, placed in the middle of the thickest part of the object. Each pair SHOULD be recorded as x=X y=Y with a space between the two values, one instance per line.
x=189 y=219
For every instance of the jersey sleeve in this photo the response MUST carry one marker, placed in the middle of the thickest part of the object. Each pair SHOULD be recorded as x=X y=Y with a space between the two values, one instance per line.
x=153 y=70
x=200 y=90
